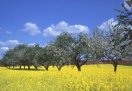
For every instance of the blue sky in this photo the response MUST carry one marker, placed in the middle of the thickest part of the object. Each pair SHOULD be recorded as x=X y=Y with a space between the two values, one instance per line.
x=40 y=21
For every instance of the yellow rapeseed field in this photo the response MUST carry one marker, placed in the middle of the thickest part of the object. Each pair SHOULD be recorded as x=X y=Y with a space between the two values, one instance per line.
x=91 y=78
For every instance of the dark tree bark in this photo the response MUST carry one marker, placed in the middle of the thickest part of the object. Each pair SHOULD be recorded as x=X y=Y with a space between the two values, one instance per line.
x=59 y=68
x=46 y=67
x=36 y=68
x=24 y=67
x=79 y=67
x=115 y=68
x=20 y=67
x=79 y=64
x=115 y=63
x=28 y=67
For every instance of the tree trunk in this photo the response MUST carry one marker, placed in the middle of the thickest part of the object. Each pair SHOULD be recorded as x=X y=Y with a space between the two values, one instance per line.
x=20 y=67
x=115 y=66
x=46 y=67
x=13 y=67
x=28 y=67
x=36 y=68
x=24 y=67
x=79 y=67
x=77 y=63
x=59 y=68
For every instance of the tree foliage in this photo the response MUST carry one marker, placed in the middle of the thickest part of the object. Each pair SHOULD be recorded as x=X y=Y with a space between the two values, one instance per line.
x=114 y=45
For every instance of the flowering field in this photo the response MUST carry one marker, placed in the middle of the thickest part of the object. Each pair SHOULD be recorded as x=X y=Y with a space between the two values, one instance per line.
x=91 y=78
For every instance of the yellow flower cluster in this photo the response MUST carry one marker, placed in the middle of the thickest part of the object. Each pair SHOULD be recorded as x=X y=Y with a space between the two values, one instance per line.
x=91 y=78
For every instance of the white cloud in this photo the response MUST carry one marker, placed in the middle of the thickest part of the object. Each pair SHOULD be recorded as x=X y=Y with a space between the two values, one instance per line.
x=4 y=48
x=7 y=32
x=6 y=45
x=31 y=28
x=63 y=26
x=50 y=31
x=9 y=43
x=107 y=25
x=31 y=44
x=2 y=31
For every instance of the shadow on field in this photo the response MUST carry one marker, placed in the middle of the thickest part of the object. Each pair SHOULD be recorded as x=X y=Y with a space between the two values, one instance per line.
x=28 y=69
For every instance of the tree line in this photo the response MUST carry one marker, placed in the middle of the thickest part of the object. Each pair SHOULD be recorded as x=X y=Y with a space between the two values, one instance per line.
x=112 y=45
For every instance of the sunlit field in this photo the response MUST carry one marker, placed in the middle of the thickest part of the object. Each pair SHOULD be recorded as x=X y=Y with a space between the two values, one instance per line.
x=91 y=78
